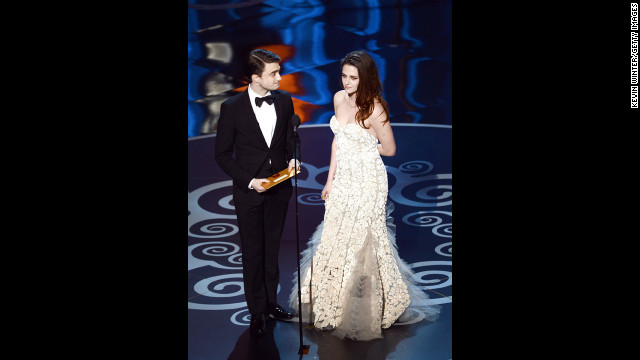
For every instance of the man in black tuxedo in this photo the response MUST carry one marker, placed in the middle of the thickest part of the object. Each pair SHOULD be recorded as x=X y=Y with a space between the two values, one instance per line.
x=256 y=124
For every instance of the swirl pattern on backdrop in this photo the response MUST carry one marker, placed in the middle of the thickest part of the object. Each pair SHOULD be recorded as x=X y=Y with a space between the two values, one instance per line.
x=445 y=249
x=415 y=187
x=203 y=254
x=411 y=173
x=202 y=217
x=435 y=278
x=428 y=219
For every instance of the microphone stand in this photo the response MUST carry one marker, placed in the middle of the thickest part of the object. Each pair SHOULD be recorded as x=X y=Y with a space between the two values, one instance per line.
x=304 y=349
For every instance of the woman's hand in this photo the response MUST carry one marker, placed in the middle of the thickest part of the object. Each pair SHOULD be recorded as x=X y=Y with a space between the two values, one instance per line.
x=326 y=191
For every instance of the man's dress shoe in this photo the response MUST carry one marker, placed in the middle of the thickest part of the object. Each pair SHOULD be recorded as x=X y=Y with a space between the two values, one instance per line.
x=258 y=324
x=278 y=312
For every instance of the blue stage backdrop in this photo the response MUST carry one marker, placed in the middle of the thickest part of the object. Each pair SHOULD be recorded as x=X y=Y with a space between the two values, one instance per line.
x=409 y=40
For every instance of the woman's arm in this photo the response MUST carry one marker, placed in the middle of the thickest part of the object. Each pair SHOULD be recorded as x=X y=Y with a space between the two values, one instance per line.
x=332 y=170
x=387 y=146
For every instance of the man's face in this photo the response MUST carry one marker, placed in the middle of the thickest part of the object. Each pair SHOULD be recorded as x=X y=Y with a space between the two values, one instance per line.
x=270 y=78
x=350 y=79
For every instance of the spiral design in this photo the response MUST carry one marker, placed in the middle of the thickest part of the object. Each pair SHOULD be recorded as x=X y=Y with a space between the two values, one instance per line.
x=207 y=229
x=438 y=278
x=201 y=202
x=433 y=283
x=414 y=317
x=236 y=259
x=442 y=248
x=424 y=193
x=203 y=287
x=443 y=230
x=311 y=199
x=217 y=287
x=414 y=186
x=225 y=203
x=422 y=219
x=416 y=167
x=243 y=321
x=310 y=182
x=216 y=248
x=204 y=254
x=428 y=219
x=411 y=194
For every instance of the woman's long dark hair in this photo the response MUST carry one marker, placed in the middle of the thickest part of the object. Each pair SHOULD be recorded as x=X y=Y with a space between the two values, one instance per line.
x=369 y=86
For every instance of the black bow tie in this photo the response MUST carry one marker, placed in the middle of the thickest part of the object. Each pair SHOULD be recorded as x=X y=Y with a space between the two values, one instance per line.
x=268 y=99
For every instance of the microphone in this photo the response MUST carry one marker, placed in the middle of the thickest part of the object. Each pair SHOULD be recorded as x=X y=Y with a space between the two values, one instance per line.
x=295 y=119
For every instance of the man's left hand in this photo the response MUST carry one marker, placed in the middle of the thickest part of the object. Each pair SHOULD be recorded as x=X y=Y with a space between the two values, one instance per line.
x=291 y=164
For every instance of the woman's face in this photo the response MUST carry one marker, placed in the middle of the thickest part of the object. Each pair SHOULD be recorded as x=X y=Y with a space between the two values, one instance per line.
x=350 y=78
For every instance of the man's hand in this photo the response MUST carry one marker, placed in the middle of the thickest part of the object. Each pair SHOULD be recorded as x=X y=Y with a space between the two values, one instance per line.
x=256 y=185
x=291 y=164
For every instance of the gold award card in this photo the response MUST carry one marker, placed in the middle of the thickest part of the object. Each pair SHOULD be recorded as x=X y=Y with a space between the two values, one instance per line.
x=279 y=177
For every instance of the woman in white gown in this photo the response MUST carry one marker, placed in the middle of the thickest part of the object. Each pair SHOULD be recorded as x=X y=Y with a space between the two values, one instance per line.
x=353 y=281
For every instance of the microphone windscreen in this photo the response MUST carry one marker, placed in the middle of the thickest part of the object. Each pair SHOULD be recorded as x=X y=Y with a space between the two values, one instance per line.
x=295 y=120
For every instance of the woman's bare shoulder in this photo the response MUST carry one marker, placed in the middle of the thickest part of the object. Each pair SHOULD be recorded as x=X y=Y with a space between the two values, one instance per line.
x=378 y=111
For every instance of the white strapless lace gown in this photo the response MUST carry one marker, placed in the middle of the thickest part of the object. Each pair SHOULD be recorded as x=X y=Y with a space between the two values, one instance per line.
x=353 y=281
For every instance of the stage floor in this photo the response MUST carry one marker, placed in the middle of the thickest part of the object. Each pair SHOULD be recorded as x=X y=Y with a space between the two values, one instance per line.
x=419 y=188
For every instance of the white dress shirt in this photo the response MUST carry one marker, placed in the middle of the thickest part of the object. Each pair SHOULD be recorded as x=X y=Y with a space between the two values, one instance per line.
x=266 y=115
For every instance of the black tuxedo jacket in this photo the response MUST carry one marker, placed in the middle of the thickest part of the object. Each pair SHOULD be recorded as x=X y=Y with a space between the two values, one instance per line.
x=238 y=131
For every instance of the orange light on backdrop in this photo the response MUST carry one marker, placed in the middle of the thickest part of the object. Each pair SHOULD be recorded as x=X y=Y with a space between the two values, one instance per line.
x=290 y=83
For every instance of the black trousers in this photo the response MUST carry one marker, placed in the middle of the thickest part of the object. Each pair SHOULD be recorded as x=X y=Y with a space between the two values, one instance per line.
x=260 y=229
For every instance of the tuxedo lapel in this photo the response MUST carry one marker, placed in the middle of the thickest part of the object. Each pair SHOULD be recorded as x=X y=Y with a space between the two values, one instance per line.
x=250 y=118
x=280 y=121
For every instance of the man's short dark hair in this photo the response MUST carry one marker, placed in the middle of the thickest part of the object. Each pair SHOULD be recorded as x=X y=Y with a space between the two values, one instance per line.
x=256 y=61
